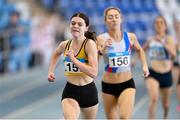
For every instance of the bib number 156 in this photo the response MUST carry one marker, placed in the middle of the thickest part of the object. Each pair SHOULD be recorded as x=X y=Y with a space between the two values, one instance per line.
x=119 y=61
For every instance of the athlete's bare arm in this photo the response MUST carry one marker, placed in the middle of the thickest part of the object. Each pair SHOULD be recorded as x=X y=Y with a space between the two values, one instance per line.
x=140 y=53
x=59 y=50
x=100 y=44
x=103 y=44
x=146 y=45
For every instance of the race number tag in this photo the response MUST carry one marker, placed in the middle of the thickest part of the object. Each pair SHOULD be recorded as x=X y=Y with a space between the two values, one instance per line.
x=119 y=61
x=157 y=53
x=71 y=67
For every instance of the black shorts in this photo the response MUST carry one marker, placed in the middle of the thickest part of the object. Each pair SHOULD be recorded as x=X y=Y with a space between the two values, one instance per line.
x=164 y=79
x=179 y=80
x=116 y=89
x=176 y=64
x=86 y=95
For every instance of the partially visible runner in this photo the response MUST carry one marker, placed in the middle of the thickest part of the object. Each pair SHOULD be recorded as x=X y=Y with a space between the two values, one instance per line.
x=161 y=50
x=176 y=68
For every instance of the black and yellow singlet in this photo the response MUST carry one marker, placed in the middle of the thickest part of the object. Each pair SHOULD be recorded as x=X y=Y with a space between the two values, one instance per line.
x=70 y=67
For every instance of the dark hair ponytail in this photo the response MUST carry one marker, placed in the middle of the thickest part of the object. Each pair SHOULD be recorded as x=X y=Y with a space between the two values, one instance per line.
x=90 y=35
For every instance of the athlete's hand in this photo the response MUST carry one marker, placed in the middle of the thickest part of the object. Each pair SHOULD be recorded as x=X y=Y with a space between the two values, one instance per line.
x=51 y=77
x=70 y=54
x=145 y=71
x=107 y=44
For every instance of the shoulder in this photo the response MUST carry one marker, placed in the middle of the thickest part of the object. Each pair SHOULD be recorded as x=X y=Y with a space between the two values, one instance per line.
x=101 y=37
x=132 y=37
x=170 y=38
x=130 y=34
x=90 y=46
x=150 y=39
x=61 y=46
x=63 y=43
x=90 y=43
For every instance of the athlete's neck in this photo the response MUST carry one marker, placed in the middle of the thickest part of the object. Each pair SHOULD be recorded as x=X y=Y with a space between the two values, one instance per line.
x=78 y=40
x=116 y=35
x=161 y=33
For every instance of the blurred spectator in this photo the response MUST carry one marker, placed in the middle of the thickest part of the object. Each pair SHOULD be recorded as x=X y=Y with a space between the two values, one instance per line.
x=50 y=4
x=14 y=29
x=173 y=7
x=43 y=36
x=18 y=36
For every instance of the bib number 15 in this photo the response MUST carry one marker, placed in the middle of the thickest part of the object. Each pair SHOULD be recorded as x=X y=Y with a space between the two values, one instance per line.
x=70 y=67
x=119 y=61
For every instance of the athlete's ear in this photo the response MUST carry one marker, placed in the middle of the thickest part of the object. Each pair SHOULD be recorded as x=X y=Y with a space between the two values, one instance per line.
x=87 y=28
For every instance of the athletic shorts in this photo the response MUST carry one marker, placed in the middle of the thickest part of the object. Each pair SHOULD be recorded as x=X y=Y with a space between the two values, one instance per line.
x=164 y=79
x=176 y=64
x=116 y=89
x=86 y=95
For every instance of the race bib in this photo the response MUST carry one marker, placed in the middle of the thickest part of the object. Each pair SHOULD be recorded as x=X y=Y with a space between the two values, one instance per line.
x=71 y=67
x=119 y=61
x=157 y=53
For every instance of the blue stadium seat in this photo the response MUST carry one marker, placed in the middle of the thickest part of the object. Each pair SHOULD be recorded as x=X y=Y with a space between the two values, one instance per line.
x=4 y=18
x=149 y=6
x=1 y=5
x=124 y=5
x=140 y=25
x=113 y=3
x=136 y=6
x=76 y=3
x=9 y=8
x=129 y=26
x=133 y=11
x=49 y=4
x=100 y=29
x=101 y=6
x=0 y=58
x=1 y=63
x=64 y=4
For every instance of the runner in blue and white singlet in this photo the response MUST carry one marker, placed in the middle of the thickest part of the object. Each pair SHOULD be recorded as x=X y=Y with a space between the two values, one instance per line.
x=117 y=82
x=118 y=57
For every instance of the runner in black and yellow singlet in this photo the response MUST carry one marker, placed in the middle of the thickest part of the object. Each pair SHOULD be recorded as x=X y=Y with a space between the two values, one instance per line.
x=70 y=68
x=81 y=67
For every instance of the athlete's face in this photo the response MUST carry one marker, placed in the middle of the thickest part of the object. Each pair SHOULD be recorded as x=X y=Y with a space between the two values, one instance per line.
x=160 y=25
x=78 y=27
x=113 y=19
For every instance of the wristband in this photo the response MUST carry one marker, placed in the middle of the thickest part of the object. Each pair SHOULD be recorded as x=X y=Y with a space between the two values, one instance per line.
x=99 y=53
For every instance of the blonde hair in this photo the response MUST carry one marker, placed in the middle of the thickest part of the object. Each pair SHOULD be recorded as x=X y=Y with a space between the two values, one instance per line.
x=108 y=9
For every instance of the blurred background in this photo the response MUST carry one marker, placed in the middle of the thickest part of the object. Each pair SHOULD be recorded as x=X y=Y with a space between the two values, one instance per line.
x=31 y=29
